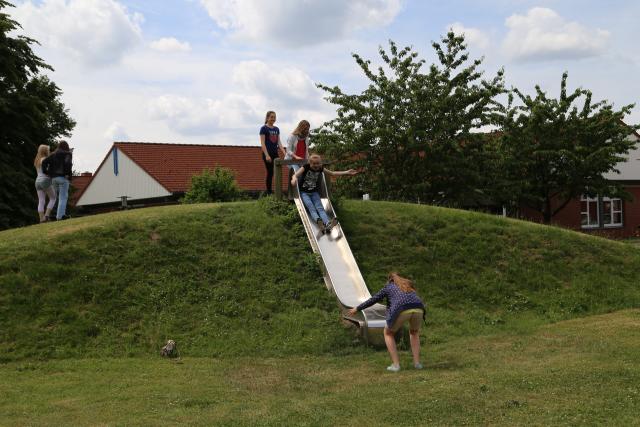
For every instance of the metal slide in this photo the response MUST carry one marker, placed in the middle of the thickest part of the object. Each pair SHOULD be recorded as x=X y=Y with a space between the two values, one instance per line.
x=341 y=273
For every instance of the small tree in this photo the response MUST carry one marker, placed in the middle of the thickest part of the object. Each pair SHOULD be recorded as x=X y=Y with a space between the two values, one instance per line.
x=554 y=151
x=217 y=185
x=412 y=130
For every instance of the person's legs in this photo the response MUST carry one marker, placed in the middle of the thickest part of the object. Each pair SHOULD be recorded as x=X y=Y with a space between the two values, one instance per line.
x=317 y=203
x=414 y=336
x=62 y=187
x=269 y=167
x=390 y=341
x=41 y=201
x=51 y=192
x=308 y=203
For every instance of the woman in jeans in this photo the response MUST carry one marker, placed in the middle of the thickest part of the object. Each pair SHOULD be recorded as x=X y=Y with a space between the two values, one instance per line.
x=59 y=167
x=43 y=185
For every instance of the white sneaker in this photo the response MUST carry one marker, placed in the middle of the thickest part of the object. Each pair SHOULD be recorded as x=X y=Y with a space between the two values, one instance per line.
x=393 y=368
x=418 y=366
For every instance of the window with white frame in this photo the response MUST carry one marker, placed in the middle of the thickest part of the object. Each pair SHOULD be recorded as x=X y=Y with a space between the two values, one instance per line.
x=589 y=212
x=611 y=212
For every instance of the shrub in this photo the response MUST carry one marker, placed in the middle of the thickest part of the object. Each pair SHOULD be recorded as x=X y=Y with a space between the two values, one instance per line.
x=213 y=185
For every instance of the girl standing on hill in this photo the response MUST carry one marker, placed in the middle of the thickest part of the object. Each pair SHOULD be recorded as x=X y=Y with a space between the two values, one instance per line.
x=404 y=306
x=298 y=144
x=43 y=185
x=270 y=142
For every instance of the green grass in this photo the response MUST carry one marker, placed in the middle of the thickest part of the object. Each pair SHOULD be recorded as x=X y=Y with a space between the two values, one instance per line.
x=240 y=279
x=579 y=372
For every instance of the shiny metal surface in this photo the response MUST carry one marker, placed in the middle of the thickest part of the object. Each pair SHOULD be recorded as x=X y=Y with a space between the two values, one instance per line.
x=341 y=273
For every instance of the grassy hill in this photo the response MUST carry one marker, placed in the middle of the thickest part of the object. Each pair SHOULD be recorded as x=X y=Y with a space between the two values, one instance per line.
x=240 y=279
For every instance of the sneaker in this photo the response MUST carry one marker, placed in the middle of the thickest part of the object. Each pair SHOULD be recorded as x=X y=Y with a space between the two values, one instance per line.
x=321 y=226
x=418 y=366
x=332 y=224
x=393 y=368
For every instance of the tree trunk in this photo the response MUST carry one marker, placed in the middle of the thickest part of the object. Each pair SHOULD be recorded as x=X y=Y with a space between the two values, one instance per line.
x=547 y=214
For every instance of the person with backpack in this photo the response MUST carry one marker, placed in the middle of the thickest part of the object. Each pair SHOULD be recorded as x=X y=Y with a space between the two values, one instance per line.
x=59 y=167
x=405 y=306
x=298 y=144
x=43 y=185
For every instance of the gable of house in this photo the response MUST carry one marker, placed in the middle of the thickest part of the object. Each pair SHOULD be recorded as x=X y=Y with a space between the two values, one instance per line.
x=118 y=176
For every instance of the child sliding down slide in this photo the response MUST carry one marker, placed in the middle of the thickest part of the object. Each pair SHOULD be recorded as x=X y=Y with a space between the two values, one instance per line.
x=310 y=177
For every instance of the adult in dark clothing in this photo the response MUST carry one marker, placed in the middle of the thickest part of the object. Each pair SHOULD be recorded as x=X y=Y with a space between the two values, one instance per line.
x=270 y=143
x=404 y=306
x=59 y=167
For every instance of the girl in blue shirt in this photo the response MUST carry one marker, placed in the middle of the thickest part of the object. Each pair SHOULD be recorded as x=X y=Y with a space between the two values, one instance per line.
x=270 y=142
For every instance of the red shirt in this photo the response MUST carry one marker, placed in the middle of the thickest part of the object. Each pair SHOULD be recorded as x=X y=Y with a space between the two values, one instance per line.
x=301 y=148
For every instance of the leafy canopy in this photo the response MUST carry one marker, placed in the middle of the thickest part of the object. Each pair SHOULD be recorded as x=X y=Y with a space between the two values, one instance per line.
x=555 y=150
x=217 y=185
x=413 y=131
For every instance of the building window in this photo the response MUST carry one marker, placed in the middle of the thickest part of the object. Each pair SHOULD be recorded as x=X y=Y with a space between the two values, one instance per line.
x=598 y=212
x=589 y=212
x=611 y=212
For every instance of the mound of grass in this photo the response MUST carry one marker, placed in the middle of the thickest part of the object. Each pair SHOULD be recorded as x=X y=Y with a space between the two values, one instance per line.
x=223 y=279
x=480 y=273
x=240 y=279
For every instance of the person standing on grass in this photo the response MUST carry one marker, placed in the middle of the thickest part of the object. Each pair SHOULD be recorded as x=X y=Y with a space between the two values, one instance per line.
x=270 y=142
x=298 y=144
x=43 y=185
x=310 y=176
x=59 y=167
x=404 y=306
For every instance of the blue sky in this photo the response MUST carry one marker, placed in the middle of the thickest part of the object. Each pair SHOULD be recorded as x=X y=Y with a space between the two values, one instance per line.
x=205 y=71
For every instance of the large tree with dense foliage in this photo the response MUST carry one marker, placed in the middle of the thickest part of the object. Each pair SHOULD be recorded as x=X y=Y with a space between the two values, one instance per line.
x=413 y=132
x=554 y=150
x=31 y=114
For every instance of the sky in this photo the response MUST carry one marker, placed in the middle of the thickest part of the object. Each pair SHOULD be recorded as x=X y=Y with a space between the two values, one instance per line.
x=206 y=71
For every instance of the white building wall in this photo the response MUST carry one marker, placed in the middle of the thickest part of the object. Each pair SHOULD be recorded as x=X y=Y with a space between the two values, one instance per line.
x=131 y=181
x=630 y=169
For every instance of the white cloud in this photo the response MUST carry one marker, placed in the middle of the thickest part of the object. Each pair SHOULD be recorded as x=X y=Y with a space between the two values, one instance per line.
x=474 y=36
x=97 y=32
x=294 y=23
x=543 y=34
x=116 y=133
x=258 y=87
x=170 y=44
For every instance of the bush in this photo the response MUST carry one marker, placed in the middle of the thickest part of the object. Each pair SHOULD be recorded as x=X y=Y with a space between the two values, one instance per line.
x=217 y=185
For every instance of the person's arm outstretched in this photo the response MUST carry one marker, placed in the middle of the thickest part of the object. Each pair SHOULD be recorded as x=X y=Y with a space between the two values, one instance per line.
x=368 y=303
x=342 y=173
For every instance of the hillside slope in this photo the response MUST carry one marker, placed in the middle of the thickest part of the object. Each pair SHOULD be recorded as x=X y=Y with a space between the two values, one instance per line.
x=240 y=278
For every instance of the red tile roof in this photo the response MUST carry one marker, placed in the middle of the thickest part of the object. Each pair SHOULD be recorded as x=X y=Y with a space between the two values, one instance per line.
x=79 y=183
x=173 y=165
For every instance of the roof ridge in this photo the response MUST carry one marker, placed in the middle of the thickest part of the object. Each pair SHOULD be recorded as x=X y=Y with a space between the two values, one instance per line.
x=184 y=144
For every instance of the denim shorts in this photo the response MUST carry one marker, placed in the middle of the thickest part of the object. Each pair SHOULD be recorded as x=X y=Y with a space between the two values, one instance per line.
x=43 y=183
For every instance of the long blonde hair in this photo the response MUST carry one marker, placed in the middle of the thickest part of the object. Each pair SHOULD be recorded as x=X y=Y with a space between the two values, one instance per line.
x=43 y=153
x=298 y=130
x=403 y=283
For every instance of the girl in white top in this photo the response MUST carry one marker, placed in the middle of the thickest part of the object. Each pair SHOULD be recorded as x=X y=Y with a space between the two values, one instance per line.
x=298 y=144
x=43 y=185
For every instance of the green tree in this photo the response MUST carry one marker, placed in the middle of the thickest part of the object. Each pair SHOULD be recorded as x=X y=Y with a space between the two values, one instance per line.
x=31 y=114
x=218 y=185
x=554 y=150
x=414 y=132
